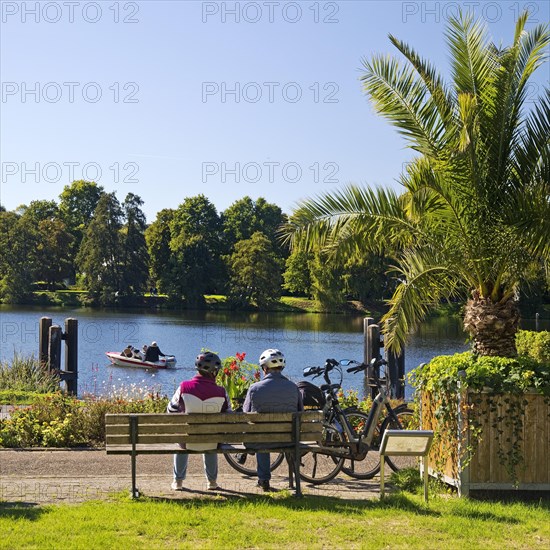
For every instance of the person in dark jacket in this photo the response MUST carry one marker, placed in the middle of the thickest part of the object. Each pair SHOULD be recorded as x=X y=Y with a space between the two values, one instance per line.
x=275 y=393
x=153 y=353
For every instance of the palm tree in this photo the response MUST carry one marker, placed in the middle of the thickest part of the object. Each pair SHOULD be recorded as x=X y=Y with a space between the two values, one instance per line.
x=474 y=215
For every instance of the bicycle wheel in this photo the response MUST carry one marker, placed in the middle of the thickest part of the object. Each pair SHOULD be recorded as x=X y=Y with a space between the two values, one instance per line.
x=370 y=465
x=319 y=468
x=245 y=463
x=406 y=421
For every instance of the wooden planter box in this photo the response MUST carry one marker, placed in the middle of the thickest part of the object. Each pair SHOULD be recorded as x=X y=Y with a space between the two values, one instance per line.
x=484 y=472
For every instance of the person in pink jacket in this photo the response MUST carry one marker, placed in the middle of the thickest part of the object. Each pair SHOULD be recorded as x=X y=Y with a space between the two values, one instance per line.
x=201 y=394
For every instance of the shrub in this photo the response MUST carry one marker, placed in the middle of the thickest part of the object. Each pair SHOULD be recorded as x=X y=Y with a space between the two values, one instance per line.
x=534 y=344
x=27 y=374
x=60 y=420
x=19 y=397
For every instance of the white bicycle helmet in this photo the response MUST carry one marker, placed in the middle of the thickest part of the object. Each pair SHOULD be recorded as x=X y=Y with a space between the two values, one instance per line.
x=272 y=359
x=208 y=363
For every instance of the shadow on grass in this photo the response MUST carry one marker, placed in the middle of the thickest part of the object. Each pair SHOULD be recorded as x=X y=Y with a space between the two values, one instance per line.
x=21 y=510
x=486 y=516
x=286 y=500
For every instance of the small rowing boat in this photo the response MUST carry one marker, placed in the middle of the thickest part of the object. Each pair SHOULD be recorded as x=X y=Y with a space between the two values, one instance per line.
x=121 y=361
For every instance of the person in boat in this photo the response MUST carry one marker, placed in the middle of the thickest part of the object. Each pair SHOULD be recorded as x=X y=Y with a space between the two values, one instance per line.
x=201 y=394
x=153 y=353
x=128 y=351
x=137 y=354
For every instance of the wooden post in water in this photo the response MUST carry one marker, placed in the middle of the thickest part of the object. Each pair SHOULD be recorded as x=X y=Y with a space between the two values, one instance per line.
x=70 y=374
x=49 y=350
x=54 y=348
x=396 y=373
x=44 y=338
x=367 y=348
x=373 y=339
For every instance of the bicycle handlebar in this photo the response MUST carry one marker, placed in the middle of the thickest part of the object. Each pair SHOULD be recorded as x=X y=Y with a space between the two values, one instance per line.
x=331 y=363
x=317 y=371
x=359 y=368
x=374 y=363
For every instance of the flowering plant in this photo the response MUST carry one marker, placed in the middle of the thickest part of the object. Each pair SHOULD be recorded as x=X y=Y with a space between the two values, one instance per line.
x=236 y=376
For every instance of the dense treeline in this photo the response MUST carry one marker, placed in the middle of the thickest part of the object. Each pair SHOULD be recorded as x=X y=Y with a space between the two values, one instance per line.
x=93 y=241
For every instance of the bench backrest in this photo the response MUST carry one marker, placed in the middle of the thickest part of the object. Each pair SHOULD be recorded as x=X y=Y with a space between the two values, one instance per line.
x=212 y=428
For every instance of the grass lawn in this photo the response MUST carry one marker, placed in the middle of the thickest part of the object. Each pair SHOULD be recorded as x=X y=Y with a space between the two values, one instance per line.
x=279 y=521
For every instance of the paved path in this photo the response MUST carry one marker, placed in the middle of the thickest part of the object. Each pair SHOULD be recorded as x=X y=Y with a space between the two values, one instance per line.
x=70 y=476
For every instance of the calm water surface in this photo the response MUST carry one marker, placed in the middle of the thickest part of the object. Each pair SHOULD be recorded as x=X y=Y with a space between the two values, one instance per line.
x=306 y=339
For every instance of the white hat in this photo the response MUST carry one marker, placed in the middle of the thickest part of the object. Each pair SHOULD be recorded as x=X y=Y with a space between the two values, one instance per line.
x=153 y=344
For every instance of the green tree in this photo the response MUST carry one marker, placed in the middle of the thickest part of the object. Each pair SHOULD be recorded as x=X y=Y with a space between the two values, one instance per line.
x=162 y=266
x=365 y=278
x=78 y=202
x=475 y=210
x=195 y=245
x=39 y=210
x=297 y=275
x=135 y=268
x=255 y=271
x=18 y=240
x=327 y=283
x=53 y=263
x=52 y=260
x=244 y=217
x=77 y=205
x=101 y=255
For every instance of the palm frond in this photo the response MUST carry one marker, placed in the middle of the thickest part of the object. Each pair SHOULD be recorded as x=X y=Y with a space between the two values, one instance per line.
x=435 y=85
x=471 y=60
x=404 y=100
x=423 y=283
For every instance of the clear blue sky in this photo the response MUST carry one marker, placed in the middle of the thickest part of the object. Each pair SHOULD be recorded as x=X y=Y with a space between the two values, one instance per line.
x=166 y=125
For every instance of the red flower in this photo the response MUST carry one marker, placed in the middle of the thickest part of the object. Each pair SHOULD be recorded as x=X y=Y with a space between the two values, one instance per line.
x=257 y=375
x=240 y=356
x=227 y=372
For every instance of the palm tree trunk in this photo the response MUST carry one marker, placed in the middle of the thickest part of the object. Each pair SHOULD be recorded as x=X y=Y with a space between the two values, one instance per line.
x=492 y=325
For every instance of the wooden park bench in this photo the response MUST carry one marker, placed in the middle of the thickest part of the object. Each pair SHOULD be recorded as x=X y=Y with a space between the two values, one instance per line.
x=144 y=433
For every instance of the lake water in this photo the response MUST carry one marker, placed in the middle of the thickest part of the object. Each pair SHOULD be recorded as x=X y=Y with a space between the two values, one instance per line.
x=305 y=339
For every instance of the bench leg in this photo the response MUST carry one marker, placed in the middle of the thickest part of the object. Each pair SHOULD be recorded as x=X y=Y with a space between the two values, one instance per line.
x=290 y=464
x=382 y=475
x=135 y=492
x=133 y=437
x=298 y=490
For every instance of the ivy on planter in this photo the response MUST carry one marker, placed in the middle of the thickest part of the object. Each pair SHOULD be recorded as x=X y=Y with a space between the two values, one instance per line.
x=492 y=380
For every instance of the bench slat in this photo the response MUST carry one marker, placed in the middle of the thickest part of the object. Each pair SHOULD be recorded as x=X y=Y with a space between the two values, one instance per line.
x=214 y=418
x=168 y=448
x=121 y=429
x=275 y=437
x=225 y=438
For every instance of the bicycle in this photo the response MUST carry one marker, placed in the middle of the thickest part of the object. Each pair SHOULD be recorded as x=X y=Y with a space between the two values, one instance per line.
x=351 y=437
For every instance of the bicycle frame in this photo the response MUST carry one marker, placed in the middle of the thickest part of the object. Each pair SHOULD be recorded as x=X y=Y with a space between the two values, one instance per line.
x=358 y=446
